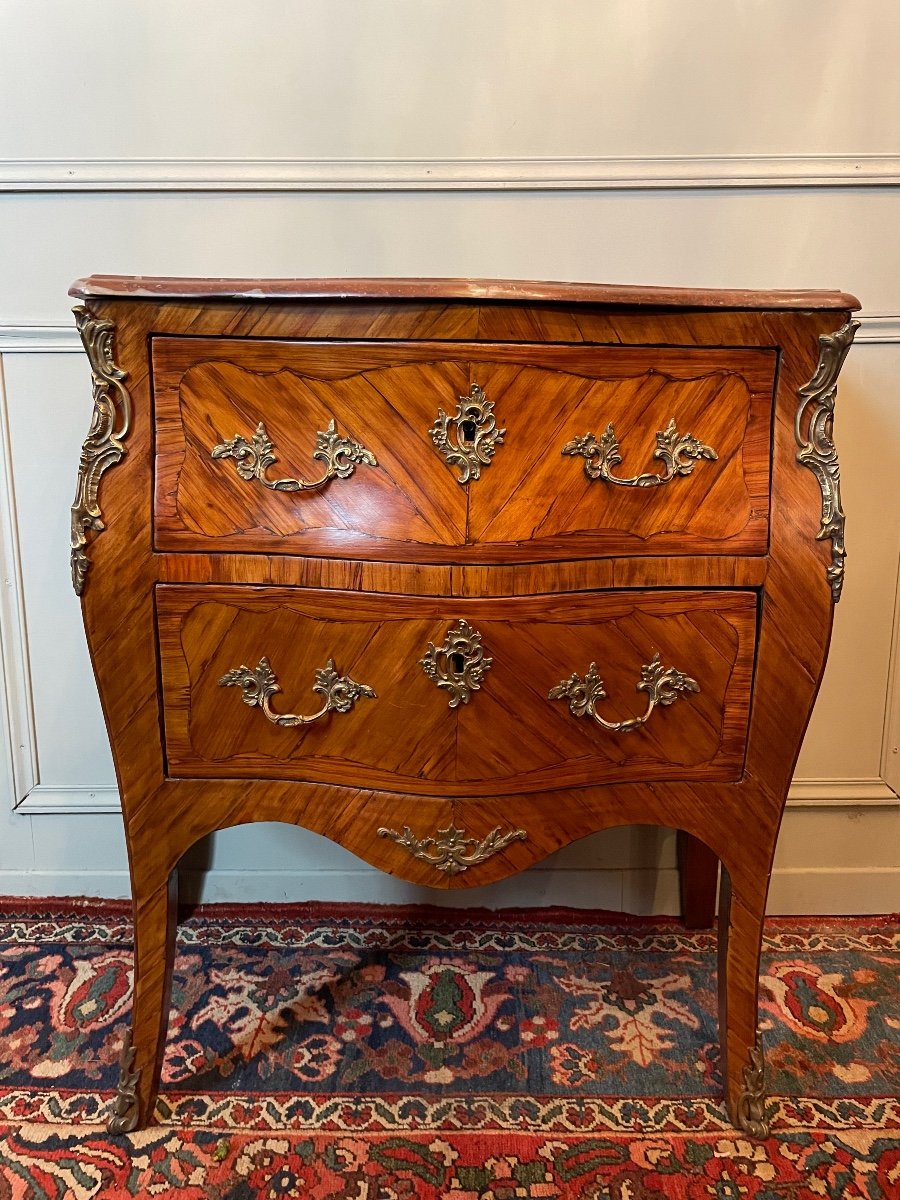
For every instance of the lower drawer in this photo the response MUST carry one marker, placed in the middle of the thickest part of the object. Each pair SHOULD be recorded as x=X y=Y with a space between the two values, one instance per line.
x=455 y=697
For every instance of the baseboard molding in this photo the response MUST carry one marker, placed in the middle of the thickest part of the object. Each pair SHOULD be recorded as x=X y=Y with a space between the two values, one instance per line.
x=841 y=793
x=448 y=174
x=844 y=891
x=832 y=891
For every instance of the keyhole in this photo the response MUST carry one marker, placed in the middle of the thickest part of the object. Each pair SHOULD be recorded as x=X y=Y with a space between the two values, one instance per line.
x=458 y=662
x=468 y=430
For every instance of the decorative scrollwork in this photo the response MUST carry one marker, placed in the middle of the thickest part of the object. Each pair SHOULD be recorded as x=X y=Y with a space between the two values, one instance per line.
x=451 y=851
x=102 y=448
x=458 y=664
x=817 y=449
x=341 y=455
x=124 y=1115
x=260 y=685
x=750 y=1114
x=663 y=686
x=678 y=453
x=475 y=434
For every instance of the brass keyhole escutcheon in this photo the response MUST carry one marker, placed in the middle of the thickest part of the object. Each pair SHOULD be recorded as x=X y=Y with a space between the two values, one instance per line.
x=469 y=438
x=458 y=664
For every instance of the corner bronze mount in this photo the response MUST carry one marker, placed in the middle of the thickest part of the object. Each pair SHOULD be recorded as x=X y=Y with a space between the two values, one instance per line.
x=750 y=1113
x=817 y=449
x=475 y=435
x=451 y=851
x=124 y=1116
x=102 y=448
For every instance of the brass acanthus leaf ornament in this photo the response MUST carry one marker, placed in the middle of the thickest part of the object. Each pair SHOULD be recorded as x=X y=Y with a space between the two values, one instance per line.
x=817 y=449
x=103 y=447
x=451 y=851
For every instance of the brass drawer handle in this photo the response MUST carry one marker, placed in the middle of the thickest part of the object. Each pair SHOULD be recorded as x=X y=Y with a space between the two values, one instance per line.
x=662 y=684
x=451 y=851
x=475 y=435
x=678 y=453
x=260 y=685
x=341 y=455
x=458 y=664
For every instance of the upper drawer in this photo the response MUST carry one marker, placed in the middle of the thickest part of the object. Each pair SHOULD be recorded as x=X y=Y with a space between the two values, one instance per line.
x=460 y=451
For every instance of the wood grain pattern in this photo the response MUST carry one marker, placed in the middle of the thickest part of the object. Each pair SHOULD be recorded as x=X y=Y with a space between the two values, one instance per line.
x=738 y=821
x=508 y=739
x=530 y=501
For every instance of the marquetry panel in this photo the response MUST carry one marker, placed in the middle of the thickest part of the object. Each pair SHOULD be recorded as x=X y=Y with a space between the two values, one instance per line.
x=209 y=391
x=506 y=737
x=526 y=497
x=540 y=496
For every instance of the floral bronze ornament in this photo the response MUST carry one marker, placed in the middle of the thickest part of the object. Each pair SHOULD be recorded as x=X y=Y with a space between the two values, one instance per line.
x=474 y=438
x=103 y=447
x=677 y=451
x=260 y=685
x=341 y=455
x=663 y=686
x=451 y=851
x=124 y=1115
x=750 y=1114
x=458 y=664
x=817 y=449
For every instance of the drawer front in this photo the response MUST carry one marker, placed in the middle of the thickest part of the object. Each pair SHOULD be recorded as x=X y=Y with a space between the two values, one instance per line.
x=471 y=697
x=211 y=392
x=460 y=451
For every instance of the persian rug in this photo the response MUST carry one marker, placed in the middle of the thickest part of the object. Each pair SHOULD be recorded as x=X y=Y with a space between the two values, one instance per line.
x=372 y=1053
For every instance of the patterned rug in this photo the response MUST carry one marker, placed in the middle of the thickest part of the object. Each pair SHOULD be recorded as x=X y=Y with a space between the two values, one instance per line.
x=370 y=1052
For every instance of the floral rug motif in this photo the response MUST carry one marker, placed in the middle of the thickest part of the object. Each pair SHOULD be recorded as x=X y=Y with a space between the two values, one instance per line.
x=366 y=1051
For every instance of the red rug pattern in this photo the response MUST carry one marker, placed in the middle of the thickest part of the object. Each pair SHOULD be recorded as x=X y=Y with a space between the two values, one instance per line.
x=368 y=1052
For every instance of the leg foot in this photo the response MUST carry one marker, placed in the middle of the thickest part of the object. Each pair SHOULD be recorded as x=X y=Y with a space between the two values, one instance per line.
x=144 y=1046
x=740 y=936
x=749 y=1112
x=124 y=1115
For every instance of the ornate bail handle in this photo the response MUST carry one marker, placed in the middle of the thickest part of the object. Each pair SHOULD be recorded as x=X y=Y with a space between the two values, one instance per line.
x=678 y=453
x=474 y=437
x=260 y=685
x=341 y=455
x=662 y=684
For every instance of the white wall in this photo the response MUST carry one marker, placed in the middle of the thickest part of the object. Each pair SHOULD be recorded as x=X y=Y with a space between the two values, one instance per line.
x=443 y=137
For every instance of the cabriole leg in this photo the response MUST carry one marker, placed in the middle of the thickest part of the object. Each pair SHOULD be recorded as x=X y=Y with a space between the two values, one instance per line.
x=740 y=938
x=145 y=1042
x=698 y=875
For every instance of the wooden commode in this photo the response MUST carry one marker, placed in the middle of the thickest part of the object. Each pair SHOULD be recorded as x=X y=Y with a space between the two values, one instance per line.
x=455 y=572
